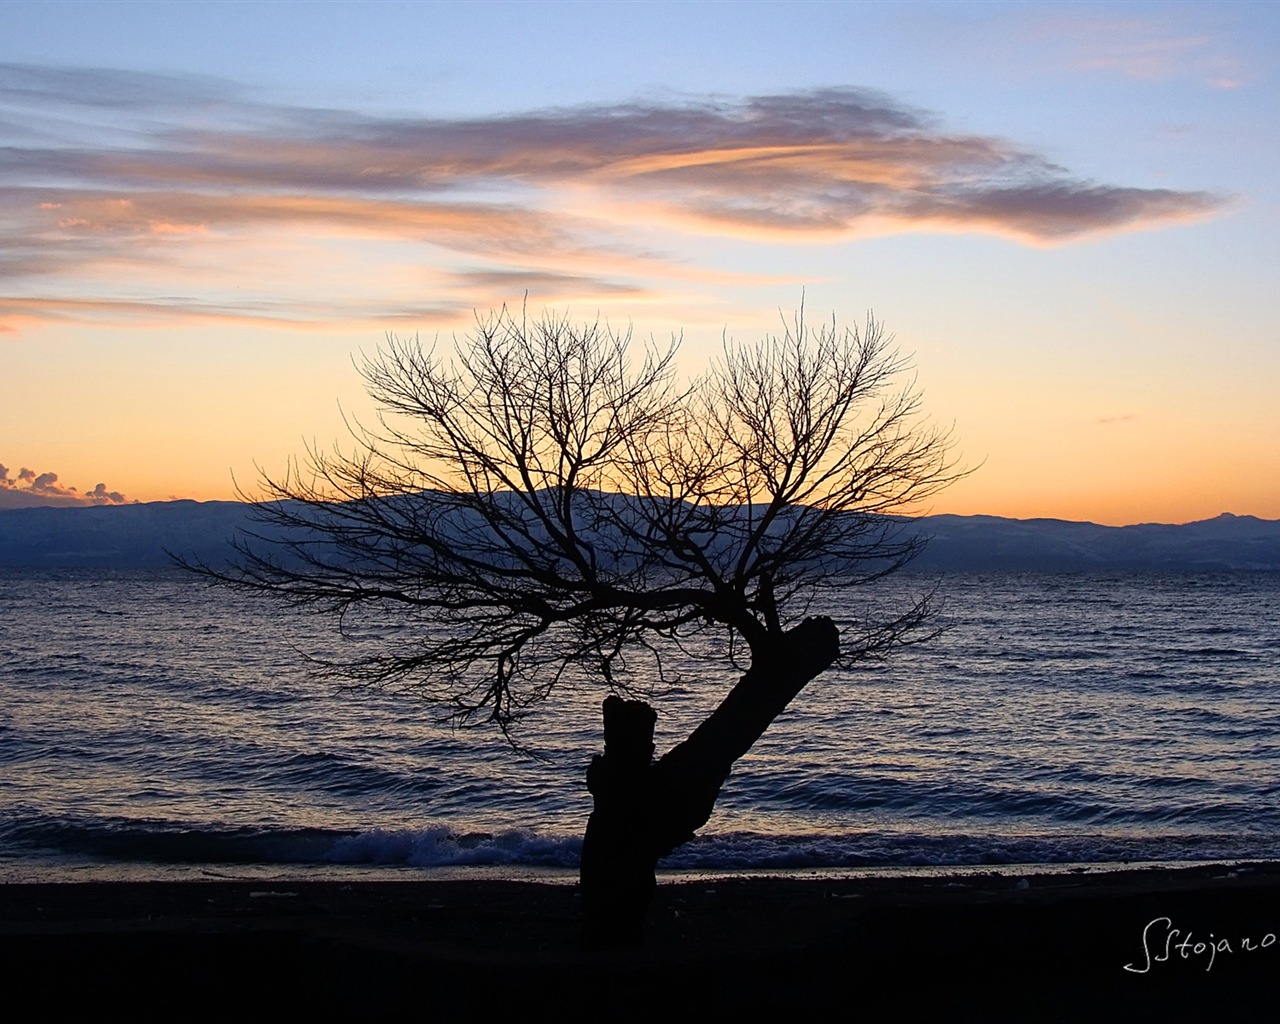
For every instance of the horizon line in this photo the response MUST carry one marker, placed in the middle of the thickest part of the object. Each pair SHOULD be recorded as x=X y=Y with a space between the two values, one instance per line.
x=39 y=502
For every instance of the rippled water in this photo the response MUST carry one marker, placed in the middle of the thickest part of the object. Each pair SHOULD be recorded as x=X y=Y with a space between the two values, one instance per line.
x=146 y=721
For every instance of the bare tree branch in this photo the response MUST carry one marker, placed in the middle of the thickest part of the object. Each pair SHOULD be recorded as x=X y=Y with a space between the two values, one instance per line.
x=544 y=497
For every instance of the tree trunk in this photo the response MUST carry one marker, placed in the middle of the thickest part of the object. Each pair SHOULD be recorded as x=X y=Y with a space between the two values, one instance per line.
x=644 y=810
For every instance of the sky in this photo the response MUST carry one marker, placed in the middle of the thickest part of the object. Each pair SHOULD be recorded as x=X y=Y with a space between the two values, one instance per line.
x=1067 y=213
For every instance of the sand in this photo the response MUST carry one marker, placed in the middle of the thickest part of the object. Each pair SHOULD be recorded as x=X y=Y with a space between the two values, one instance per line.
x=972 y=947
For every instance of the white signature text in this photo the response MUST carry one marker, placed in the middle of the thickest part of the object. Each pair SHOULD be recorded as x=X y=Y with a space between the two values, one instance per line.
x=1160 y=944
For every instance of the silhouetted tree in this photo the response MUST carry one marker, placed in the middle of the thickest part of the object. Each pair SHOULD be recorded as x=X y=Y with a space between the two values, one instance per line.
x=544 y=498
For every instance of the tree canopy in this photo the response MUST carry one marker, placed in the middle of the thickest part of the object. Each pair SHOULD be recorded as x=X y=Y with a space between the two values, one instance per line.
x=543 y=496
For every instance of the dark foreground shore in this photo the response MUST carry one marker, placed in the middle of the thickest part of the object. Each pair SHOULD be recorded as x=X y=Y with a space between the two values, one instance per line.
x=1202 y=942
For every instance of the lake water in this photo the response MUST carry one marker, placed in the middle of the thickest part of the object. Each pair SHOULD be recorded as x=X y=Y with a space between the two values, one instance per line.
x=151 y=726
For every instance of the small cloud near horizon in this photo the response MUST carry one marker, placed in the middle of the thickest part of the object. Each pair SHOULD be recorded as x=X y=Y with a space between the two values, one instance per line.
x=29 y=489
x=1126 y=417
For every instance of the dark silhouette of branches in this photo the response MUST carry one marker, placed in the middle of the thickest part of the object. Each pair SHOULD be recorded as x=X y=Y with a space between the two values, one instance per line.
x=545 y=497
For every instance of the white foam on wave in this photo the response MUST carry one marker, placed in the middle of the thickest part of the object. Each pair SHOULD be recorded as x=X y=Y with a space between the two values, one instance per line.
x=443 y=847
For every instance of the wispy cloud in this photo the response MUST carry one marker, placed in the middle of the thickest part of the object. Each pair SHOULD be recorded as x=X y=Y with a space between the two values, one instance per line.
x=115 y=181
x=1146 y=47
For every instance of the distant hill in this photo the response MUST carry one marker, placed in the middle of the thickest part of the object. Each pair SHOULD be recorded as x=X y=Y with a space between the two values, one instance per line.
x=138 y=536
x=978 y=543
x=120 y=536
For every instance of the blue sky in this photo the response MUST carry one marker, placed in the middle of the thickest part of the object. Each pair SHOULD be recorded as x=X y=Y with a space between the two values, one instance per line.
x=1066 y=211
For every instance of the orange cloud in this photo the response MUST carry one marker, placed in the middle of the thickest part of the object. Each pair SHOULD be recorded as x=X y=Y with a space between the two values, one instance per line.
x=806 y=166
x=464 y=226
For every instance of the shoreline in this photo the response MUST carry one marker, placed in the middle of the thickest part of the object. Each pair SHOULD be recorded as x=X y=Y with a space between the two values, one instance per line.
x=53 y=872
x=978 y=945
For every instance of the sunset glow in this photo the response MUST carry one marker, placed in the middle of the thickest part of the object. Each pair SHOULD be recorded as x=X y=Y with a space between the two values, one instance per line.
x=1067 y=213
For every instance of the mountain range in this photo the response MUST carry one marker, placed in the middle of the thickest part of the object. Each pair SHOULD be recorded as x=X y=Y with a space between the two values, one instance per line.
x=140 y=536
